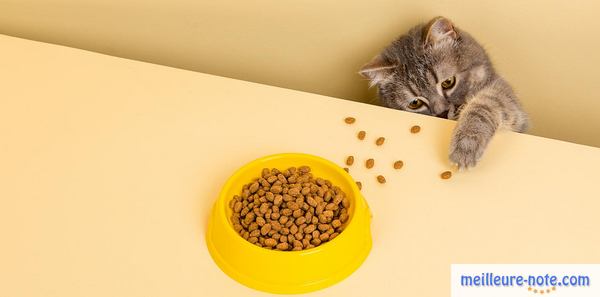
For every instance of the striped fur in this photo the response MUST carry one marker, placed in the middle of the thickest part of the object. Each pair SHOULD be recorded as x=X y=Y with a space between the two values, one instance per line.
x=414 y=66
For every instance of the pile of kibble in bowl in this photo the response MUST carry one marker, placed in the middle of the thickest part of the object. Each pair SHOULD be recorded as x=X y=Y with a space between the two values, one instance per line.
x=289 y=210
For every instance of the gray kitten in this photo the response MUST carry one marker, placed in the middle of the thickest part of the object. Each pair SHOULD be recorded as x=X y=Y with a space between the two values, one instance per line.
x=437 y=69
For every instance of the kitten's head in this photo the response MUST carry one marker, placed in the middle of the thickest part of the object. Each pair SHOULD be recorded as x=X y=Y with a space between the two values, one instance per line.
x=431 y=69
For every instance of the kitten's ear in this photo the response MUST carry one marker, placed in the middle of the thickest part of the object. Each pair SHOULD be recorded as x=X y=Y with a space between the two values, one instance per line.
x=377 y=70
x=439 y=29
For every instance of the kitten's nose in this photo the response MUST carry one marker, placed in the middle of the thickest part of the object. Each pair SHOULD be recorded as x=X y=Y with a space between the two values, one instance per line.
x=443 y=115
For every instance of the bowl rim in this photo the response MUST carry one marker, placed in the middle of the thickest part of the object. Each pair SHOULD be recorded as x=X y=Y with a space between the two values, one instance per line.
x=222 y=198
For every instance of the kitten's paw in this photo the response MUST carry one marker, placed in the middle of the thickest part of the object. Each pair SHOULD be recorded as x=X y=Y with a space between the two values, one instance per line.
x=465 y=151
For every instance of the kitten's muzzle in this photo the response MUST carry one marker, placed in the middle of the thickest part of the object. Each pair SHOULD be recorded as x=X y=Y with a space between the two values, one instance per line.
x=443 y=115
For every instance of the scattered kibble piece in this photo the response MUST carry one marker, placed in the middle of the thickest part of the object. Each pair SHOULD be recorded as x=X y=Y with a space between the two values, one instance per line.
x=415 y=129
x=446 y=175
x=289 y=210
x=361 y=135
x=370 y=163
x=398 y=164
x=346 y=169
x=359 y=184
x=350 y=160
x=381 y=179
x=349 y=120
x=380 y=141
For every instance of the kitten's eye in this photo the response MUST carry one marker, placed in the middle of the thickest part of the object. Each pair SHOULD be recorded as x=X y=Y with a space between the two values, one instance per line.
x=448 y=83
x=416 y=104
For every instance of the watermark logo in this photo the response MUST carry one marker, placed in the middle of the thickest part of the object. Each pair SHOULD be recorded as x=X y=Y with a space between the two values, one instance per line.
x=490 y=280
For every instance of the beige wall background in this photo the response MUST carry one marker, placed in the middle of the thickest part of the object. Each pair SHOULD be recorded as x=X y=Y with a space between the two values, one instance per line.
x=548 y=50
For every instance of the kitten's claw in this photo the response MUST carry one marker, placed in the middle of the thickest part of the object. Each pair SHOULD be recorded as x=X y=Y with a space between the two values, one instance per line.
x=466 y=152
x=455 y=166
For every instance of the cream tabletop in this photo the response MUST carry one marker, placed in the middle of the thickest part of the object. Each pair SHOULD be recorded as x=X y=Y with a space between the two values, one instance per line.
x=109 y=167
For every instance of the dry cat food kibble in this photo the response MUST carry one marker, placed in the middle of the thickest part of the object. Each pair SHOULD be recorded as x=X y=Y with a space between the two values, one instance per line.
x=415 y=129
x=289 y=210
x=349 y=120
x=350 y=160
x=381 y=179
x=370 y=163
x=380 y=141
x=361 y=135
x=446 y=175
x=398 y=164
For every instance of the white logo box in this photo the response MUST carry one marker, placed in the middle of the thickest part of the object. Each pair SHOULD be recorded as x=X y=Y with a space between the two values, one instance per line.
x=525 y=280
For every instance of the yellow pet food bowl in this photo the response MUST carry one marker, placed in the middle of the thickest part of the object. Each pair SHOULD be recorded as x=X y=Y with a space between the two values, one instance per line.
x=289 y=272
